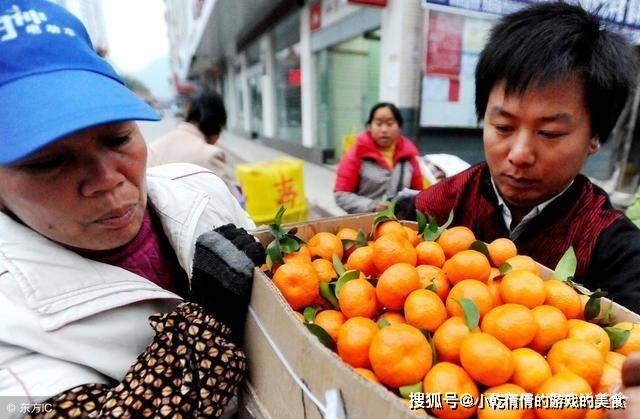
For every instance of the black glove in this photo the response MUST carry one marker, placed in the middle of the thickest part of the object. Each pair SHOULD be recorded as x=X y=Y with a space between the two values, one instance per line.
x=405 y=208
x=223 y=267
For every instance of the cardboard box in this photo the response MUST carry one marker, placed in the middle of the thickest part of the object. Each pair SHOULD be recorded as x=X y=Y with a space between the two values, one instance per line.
x=280 y=348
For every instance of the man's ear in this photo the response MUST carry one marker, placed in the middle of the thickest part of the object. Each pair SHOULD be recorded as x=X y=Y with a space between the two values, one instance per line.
x=594 y=145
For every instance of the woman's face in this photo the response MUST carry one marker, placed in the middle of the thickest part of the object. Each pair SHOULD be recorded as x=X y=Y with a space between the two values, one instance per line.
x=384 y=127
x=85 y=191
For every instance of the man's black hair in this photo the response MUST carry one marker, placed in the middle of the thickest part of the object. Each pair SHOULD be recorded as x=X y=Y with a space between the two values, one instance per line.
x=550 y=42
x=393 y=108
x=208 y=113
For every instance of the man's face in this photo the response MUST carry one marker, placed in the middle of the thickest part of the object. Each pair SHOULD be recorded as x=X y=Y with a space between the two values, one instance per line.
x=85 y=191
x=536 y=144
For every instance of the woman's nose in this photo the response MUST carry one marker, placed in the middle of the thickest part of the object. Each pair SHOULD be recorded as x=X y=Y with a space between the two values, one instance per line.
x=102 y=175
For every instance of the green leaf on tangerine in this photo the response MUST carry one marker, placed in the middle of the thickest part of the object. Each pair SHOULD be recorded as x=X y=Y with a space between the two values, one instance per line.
x=617 y=336
x=328 y=294
x=566 y=267
x=337 y=265
x=382 y=323
x=322 y=335
x=405 y=391
x=481 y=247
x=505 y=268
x=471 y=314
x=344 y=278
x=310 y=313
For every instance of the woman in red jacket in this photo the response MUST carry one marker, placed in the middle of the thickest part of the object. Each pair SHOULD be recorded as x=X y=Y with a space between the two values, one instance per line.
x=379 y=166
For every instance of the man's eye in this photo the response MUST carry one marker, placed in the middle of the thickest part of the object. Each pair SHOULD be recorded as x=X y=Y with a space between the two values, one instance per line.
x=551 y=134
x=503 y=129
x=117 y=141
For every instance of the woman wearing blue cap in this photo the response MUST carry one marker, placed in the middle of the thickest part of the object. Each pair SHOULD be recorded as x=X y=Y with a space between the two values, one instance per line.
x=92 y=246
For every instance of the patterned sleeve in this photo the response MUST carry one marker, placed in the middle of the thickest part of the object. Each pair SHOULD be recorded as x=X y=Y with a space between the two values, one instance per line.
x=190 y=369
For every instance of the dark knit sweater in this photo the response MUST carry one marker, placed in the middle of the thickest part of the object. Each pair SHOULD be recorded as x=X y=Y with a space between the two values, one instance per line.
x=607 y=244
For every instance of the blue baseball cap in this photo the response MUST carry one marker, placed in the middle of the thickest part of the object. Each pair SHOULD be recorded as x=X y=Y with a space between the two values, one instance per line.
x=52 y=82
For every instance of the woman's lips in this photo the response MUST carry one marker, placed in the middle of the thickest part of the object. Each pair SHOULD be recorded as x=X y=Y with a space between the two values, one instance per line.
x=118 y=218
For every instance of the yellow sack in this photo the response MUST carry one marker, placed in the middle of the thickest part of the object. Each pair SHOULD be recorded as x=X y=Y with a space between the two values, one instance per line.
x=349 y=140
x=268 y=185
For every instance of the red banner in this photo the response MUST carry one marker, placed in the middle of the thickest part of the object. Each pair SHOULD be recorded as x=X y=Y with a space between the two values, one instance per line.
x=376 y=3
x=444 y=44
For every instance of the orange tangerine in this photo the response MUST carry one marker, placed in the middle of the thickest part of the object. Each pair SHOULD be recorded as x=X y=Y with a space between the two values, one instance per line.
x=357 y=298
x=522 y=287
x=430 y=253
x=467 y=264
x=522 y=262
x=424 y=310
x=354 y=340
x=362 y=260
x=446 y=377
x=592 y=333
x=564 y=297
x=412 y=235
x=449 y=337
x=331 y=321
x=389 y=227
x=302 y=255
x=368 y=374
x=493 y=408
x=390 y=249
x=500 y=250
x=486 y=359
x=512 y=324
x=476 y=291
x=455 y=239
x=563 y=383
x=298 y=283
x=324 y=269
x=552 y=327
x=324 y=245
x=531 y=370
x=395 y=284
x=433 y=275
x=579 y=357
x=400 y=355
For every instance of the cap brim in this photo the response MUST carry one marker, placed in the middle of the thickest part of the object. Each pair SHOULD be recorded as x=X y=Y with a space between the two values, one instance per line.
x=38 y=110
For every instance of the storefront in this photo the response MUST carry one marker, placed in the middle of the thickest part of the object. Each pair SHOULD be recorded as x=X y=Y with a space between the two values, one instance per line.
x=288 y=79
x=346 y=57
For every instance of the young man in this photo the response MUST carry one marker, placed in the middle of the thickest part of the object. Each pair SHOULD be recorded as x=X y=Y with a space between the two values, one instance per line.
x=550 y=85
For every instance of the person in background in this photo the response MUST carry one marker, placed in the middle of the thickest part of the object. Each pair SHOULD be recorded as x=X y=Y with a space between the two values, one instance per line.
x=550 y=85
x=95 y=248
x=194 y=140
x=380 y=165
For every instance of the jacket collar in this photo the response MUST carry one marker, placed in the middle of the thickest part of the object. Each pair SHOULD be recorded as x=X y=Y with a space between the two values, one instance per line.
x=366 y=149
x=63 y=286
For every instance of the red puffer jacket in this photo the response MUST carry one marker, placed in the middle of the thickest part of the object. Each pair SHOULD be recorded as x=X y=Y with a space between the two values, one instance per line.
x=365 y=148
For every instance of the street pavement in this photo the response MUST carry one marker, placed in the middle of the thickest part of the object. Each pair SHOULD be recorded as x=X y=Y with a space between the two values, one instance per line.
x=318 y=179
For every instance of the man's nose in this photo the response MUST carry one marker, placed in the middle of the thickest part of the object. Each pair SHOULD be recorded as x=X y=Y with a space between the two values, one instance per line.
x=522 y=151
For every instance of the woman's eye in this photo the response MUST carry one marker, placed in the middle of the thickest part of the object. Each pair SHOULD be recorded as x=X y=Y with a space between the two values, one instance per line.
x=44 y=165
x=117 y=141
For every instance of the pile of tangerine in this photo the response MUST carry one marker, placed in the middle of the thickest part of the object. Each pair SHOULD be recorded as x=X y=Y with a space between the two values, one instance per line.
x=405 y=303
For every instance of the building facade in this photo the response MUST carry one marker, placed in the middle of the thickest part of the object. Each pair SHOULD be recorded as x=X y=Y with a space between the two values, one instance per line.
x=302 y=75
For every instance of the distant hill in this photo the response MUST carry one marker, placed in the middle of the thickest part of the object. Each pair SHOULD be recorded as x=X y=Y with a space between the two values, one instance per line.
x=156 y=77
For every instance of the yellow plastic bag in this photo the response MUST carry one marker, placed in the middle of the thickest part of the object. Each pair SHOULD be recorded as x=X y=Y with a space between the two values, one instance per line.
x=268 y=185
x=349 y=140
